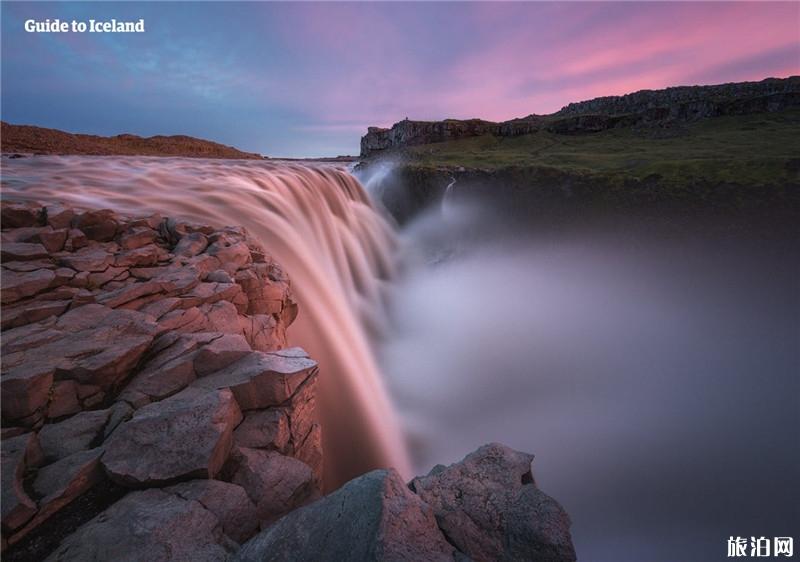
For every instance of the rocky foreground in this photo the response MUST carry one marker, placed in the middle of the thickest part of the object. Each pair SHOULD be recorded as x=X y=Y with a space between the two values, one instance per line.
x=151 y=410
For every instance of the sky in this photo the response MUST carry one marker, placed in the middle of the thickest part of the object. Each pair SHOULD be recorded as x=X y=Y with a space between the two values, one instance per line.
x=307 y=79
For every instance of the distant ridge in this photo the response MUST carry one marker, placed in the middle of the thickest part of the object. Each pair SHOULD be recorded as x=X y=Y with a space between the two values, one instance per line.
x=40 y=140
x=645 y=108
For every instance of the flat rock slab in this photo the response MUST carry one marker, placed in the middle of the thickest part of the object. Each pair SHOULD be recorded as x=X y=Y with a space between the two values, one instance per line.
x=260 y=379
x=490 y=508
x=150 y=525
x=373 y=517
x=186 y=436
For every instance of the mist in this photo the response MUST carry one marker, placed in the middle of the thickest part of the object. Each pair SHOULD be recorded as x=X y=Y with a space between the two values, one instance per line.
x=654 y=375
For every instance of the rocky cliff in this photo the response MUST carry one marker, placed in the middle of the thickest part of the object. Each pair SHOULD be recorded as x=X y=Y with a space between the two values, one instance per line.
x=39 y=140
x=646 y=107
x=151 y=410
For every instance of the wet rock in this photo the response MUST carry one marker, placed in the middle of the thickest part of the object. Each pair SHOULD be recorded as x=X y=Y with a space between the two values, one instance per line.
x=16 y=215
x=489 y=507
x=23 y=251
x=19 y=285
x=98 y=225
x=137 y=237
x=260 y=380
x=18 y=454
x=277 y=484
x=228 y=502
x=373 y=517
x=58 y=216
x=188 y=435
x=150 y=525
x=78 y=433
x=190 y=245
x=91 y=258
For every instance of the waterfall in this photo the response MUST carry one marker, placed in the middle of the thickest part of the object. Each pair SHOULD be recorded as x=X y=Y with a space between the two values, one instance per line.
x=317 y=221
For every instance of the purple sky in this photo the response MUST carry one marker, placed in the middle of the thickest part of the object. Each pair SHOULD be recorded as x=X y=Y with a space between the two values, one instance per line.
x=307 y=79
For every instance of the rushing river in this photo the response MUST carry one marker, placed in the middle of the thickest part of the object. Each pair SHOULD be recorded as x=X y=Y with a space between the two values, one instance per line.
x=654 y=376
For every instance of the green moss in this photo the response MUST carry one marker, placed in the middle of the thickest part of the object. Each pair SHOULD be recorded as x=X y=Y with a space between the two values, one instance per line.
x=750 y=149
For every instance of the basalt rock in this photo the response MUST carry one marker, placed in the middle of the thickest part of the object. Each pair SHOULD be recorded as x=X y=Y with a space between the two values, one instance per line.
x=109 y=323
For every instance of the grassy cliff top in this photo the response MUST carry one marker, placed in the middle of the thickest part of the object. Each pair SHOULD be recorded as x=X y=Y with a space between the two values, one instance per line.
x=755 y=149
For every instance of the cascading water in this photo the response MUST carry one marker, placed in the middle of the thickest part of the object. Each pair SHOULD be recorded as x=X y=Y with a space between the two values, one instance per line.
x=316 y=221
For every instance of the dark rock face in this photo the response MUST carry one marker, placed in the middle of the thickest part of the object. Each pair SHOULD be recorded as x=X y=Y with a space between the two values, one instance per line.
x=485 y=508
x=647 y=107
x=130 y=349
x=373 y=517
x=489 y=507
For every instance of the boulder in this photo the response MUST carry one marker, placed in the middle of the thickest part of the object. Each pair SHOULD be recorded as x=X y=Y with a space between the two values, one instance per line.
x=18 y=454
x=260 y=380
x=151 y=525
x=22 y=251
x=277 y=484
x=490 y=509
x=228 y=502
x=186 y=436
x=191 y=244
x=373 y=517
x=264 y=429
x=19 y=285
x=100 y=225
x=78 y=433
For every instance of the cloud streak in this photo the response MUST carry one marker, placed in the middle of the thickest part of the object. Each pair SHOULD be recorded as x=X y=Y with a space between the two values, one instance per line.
x=302 y=79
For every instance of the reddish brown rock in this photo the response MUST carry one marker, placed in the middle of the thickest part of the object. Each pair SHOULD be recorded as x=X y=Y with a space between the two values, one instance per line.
x=58 y=216
x=277 y=484
x=190 y=245
x=90 y=258
x=264 y=429
x=63 y=400
x=25 y=391
x=186 y=436
x=16 y=286
x=16 y=215
x=260 y=380
x=98 y=225
x=219 y=353
x=136 y=237
x=18 y=454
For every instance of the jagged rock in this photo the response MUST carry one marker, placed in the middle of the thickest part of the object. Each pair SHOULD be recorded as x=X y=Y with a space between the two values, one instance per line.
x=32 y=311
x=190 y=245
x=228 y=502
x=277 y=484
x=260 y=380
x=136 y=237
x=64 y=400
x=19 y=285
x=18 y=454
x=373 y=517
x=23 y=251
x=58 y=216
x=16 y=215
x=78 y=433
x=25 y=391
x=219 y=353
x=100 y=225
x=489 y=508
x=151 y=525
x=90 y=258
x=188 y=435
x=264 y=429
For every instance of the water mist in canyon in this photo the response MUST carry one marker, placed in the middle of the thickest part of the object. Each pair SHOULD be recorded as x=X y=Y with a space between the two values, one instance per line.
x=651 y=366
x=320 y=226
x=654 y=375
